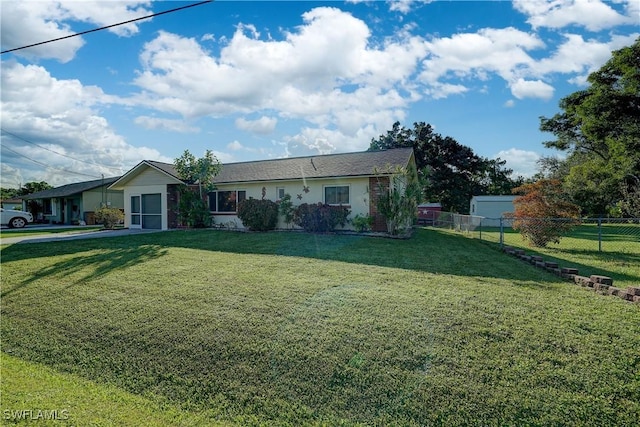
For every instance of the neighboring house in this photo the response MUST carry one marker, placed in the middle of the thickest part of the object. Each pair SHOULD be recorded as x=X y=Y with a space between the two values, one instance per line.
x=76 y=202
x=151 y=189
x=491 y=208
x=11 y=204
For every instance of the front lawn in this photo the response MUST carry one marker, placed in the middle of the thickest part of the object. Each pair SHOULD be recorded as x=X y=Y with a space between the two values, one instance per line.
x=298 y=329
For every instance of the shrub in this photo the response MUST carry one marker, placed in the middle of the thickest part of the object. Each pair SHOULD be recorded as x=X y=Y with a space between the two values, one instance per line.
x=192 y=209
x=285 y=207
x=320 y=218
x=258 y=215
x=362 y=223
x=398 y=199
x=542 y=213
x=109 y=217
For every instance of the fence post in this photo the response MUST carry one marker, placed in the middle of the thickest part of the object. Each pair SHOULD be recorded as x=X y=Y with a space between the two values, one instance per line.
x=501 y=233
x=479 y=226
x=599 y=234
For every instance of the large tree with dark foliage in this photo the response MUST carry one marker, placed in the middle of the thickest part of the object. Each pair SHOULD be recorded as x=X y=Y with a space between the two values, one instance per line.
x=449 y=172
x=599 y=128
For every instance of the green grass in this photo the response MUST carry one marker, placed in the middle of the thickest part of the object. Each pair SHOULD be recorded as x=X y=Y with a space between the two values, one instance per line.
x=618 y=259
x=298 y=329
x=70 y=399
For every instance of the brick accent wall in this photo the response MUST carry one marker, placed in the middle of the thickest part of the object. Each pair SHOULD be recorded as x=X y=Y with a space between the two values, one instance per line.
x=376 y=185
x=173 y=197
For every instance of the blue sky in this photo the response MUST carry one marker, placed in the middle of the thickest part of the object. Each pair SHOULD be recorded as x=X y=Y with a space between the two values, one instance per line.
x=262 y=79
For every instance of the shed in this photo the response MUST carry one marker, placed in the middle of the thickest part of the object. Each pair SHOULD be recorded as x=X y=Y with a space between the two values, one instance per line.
x=428 y=213
x=491 y=208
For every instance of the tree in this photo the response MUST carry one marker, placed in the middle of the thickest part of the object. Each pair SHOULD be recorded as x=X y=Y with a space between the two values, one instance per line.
x=33 y=187
x=8 y=193
x=198 y=171
x=449 y=172
x=599 y=128
x=542 y=213
x=193 y=171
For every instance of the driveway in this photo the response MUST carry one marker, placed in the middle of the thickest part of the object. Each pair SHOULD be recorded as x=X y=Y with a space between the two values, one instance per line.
x=5 y=237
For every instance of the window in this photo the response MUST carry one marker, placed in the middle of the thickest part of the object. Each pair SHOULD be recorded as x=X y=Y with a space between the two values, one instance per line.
x=47 y=207
x=146 y=211
x=226 y=201
x=336 y=195
x=279 y=193
x=135 y=210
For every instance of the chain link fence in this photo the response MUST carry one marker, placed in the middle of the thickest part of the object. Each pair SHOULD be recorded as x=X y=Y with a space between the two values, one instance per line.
x=613 y=235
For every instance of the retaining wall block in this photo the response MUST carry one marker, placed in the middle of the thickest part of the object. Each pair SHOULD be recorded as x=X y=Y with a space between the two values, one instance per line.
x=601 y=279
x=569 y=270
x=519 y=252
x=634 y=290
x=536 y=258
x=613 y=290
x=579 y=280
x=506 y=248
x=526 y=258
x=636 y=298
x=551 y=264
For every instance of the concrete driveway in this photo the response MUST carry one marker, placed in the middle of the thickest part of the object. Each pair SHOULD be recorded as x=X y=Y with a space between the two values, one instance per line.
x=75 y=234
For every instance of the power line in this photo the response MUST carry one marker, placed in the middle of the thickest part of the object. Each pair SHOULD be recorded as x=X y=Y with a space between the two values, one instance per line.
x=45 y=165
x=108 y=26
x=60 y=154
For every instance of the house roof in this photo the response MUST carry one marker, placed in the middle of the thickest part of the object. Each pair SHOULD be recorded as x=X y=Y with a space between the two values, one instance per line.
x=165 y=168
x=321 y=166
x=330 y=165
x=70 y=189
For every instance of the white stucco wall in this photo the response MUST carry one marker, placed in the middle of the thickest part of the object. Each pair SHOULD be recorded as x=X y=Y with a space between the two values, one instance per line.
x=358 y=194
x=148 y=181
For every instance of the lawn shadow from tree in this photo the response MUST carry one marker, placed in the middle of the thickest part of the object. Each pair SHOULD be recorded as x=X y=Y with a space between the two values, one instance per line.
x=74 y=270
x=428 y=250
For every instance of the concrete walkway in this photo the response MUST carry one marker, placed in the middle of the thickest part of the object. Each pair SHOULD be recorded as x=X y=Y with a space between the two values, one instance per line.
x=75 y=234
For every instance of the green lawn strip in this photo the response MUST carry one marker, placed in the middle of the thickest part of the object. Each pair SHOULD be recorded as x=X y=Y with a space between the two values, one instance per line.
x=45 y=231
x=619 y=258
x=292 y=328
x=36 y=394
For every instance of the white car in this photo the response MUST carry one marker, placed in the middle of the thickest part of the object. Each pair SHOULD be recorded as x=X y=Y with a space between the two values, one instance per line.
x=14 y=218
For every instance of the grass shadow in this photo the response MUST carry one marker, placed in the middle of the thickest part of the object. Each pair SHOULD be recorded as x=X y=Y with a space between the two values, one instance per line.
x=428 y=250
x=74 y=269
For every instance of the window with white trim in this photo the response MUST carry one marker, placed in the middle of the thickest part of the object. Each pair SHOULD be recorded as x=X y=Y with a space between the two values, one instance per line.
x=279 y=193
x=336 y=195
x=226 y=201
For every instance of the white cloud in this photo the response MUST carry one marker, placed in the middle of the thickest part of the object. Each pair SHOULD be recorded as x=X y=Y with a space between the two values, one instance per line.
x=156 y=123
x=594 y=15
x=63 y=116
x=326 y=72
x=47 y=20
x=577 y=55
x=235 y=146
x=510 y=103
x=475 y=55
x=522 y=162
x=263 y=126
x=531 y=89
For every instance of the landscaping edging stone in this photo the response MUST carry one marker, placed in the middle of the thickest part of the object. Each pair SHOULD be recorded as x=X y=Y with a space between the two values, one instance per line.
x=600 y=284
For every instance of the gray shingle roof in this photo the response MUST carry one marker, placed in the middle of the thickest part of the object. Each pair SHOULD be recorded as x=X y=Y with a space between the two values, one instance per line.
x=330 y=165
x=362 y=163
x=70 y=189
